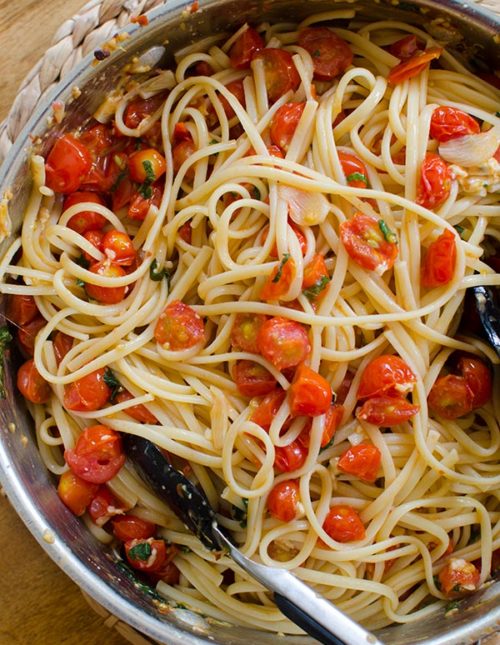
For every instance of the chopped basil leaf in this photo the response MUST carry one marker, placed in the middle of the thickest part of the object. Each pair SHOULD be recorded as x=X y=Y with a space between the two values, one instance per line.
x=82 y=262
x=389 y=236
x=497 y=114
x=5 y=339
x=312 y=292
x=454 y=604
x=316 y=53
x=357 y=176
x=80 y=283
x=141 y=551
x=124 y=568
x=213 y=142
x=436 y=582
x=156 y=275
x=255 y=192
x=148 y=169
x=457 y=588
x=459 y=229
x=112 y=382
x=328 y=445
x=279 y=272
x=118 y=181
x=185 y=549
x=145 y=190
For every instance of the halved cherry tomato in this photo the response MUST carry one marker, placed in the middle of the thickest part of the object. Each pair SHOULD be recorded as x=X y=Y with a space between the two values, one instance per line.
x=405 y=47
x=284 y=124
x=104 y=506
x=252 y=379
x=201 y=68
x=181 y=153
x=386 y=374
x=95 y=238
x=98 y=139
x=278 y=283
x=146 y=555
x=440 y=260
x=20 y=309
x=386 y=411
x=138 y=412
x=26 y=335
x=333 y=419
x=106 y=295
x=146 y=165
x=181 y=133
x=458 y=577
x=314 y=271
x=236 y=88
x=362 y=460
x=138 y=109
x=450 y=397
x=435 y=181
x=67 y=164
x=367 y=244
x=280 y=72
x=62 y=343
x=283 y=500
x=168 y=573
x=245 y=331
x=343 y=524
x=264 y=414
x=86 y=220
x=298 y=232
x=97 y=456
x=477 y=376
x=331 y=55
x=31 y=385
x=245 y=47
x=283 y=342
x=88 y=393
x=310 y=393
x=290 y=458
x=140 y=205
x=118 y=247
x=179 y=327
x=354 y=170
x=449 y=123
x=75 y=492
x=130 y=527
x=413 y=66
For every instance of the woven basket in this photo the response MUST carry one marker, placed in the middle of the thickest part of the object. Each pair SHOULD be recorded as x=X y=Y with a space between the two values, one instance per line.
x=94 y=24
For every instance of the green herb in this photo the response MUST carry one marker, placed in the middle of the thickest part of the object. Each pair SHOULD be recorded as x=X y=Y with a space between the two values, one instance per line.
x=316 y=53
x=357 y=176
x=213 y=142
x=145 y=188
x=80 y=283
x=279 y=272
x=475 y=534
x=389 y=236
x=457 y=588
x=311 y=293
x=181 y=605
x=118 y=181
x=459 y=229
x=112 y=382
x=497 y=114
x=328 y=445
x=436 y=582
x=141 y=551
x=185 y=549
x=157 y=275
x=5 y=340
x=255 y=192
x=149 y=591
x=451 y=606
x=82 y=262
x=240 y=515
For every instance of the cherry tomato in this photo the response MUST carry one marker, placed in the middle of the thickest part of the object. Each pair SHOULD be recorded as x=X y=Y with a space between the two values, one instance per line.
x=440 y=260
x=106 y=295
x=31 y=385
x=86 y=220
x=130 y=527
x=298 y=232
x=88 y=393
x=264 y=414
x=413 y=66
x=146 y=165
x=138 y=412
x=283 y=500
x=386 y=411
x=477 y=376
x=95 y=238
x=181 y=133
x=245 y=331
x=97 y=456
x=331 y=55
x=202 y=68
x=283 y=342
x=104 y=506
x=118 y=247
x=186 y=232
x=179 y=327
x=343 y=524
x=290 y=458
x=75 y=492
x=449 y=123
x=450 y=397
x=21 y=309
x=244 y=48
x=146 y=555
x=367 y=244
x=333 y=419
x=26 y=335
x=435 y=181
x=252 y=379
x=354 y=170
x=280 y=72
x=168 y=573
x=67 y=164
x=458 y=577
x=140 y=205
x=310 y=393
x=315 y=271
x=405 y=47
x=62 y=343
x=284 y=124
x=138 y=109
x=362 y=460
x=181 y=153
x=345 y=386
x=98 y=139
x=278 y=283
x=386 y=374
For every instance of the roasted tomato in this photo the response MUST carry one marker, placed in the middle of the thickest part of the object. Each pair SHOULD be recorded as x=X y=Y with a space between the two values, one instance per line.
x=279 y=281
x=118 y=247
x=21 y=309
x=283 y=500
x=181 y=153
x=146 y=165
x=450 y=397
x=354 y=170
x=284 y=124
x=264 y=414
x=252 y=379
x=245 y=47
x=333 y=419
x=405 y=47
x=104 y=506
x=88 y=393
x=386 y=411
x=67 y=164
x=458 y=578
x=236 y=88
x=26 y=335
x=139 y=109
x=369 y=242
x=343 y=524
x=315 y=277
x=386 y=374
x=86 y=220
x=280 y=72
x=310 y=393
x=413 y=66
x=97 y=456
x=31 y=385
x=62 y=343
x=362 y=460
x=245 y=331
x=95 y=237
x=331 y=55
x=179 y=327
x=449 y=123
x=290 y=458
x=140 y=204
x=106 y=295
x=130 y=527
x=440 y=260
x=138 y=412
x=284 y=343
x=435 y=181
x=477 y=375
x=76 y=493
x=146 y=555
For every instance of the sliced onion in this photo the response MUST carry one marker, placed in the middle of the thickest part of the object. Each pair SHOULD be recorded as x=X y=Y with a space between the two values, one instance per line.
x=472 y=149
x=305 y=209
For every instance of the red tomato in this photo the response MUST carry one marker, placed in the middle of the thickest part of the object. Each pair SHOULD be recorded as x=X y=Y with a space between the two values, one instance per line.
x=98 y=139
x=140 y=205
x=284 y=124
x=186 y=232
x=354 y=170
x=67 y=164
x=345 y=386
x=86 y=220
x=181 y=133
x=31 y=385
x=333 y=420
x=97 y=456
x=449 y=123
x=146 y=165
x=450 y=397
x=284 y=343
x=146 y=555
x=315 y=271
x=331 y=55
x=440 y=260
x=104 y=506
x=366 y=243
x=278 y=283
x=280 y=72
x=181 y=152
x=413 y=66
x=435 y=181
x=405 y=47
x=343 y=524
x=75 y=492
x=168 y=573
x=264 y=414
x=88 y=393
x=458 y=577
x=362 y=460
x=26 y=335
x=310 y=393
x=138 y=412
x=236 y=88
x=106 y=295
x=95 y=238
x=283 y=500
x=20 y=309
x=179 y=327
x=386 y=411
x=62 y=343
x=290 y=458
x=130 y=527
x=252 y=379
x=245 y=331
x=245 y=47
x=138 y=109
x=386 y=374
x=477 y=376
x=118 y=247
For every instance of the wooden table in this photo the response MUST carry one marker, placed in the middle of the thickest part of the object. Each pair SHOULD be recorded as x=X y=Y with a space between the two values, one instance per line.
x=39 y=605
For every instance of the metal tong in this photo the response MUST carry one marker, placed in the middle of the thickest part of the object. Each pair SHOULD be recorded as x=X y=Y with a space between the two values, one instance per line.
x=489 y=315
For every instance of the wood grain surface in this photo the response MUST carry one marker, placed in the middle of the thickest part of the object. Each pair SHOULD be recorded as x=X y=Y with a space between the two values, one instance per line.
x=39 y=604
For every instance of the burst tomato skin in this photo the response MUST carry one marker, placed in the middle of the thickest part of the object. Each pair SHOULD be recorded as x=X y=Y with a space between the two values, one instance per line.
x=138 y=412
x=86 y=220
x=439 y=263
x=449 y=123
x=252 y=379
x=264 y=414
x=284 y=124
x=310 y=393
x=435 y=181
x=245 y=331
x=62 y=344
x=284 y=343
x=21 y=309
x=118 y=247
x=106 y=295
x=146 y=165
x=67 y=164
x=95 y=237
x=26 y=335
x=331 y=55
x=386 y=411
x=88 y=393
x=290 y=458
x=343 y=524
x=97 y=456
x=333 y=420
x=477 y=376
x=278 y=283
x=362 y=460
x=31 y=385
x=364 y=242
x=140 y=205
x=413 y=66
x=138 y=109
x=76 y=493
x=283 y=500
x=386 y=374
x=450 y=397
x=280 y=72
x=405 y=47
x=129 y=527
x=458 y=577
x=179 y=327
x=244 y=48
x=352 y=166
x=103 y=506
x=151 y=564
